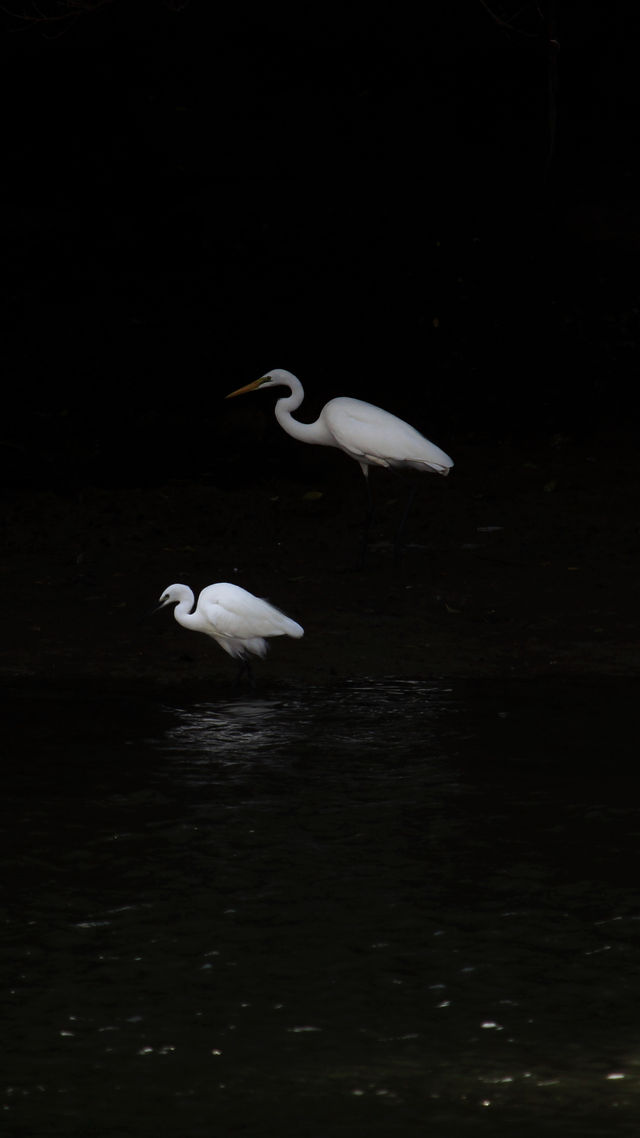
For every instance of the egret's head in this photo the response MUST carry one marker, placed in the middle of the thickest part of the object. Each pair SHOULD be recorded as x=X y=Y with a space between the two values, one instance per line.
x=171 y=595
x=274 y=378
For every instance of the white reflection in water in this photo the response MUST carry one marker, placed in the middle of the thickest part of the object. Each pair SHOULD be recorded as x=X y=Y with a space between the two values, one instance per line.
x=362 y=714
x=244 y=729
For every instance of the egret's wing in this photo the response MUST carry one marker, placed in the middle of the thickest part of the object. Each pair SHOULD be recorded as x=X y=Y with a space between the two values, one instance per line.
x=369 y=433
x=249 y=620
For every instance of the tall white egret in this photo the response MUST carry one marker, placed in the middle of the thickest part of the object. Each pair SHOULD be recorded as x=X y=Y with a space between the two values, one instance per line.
x=368 y=434
x=239 y=622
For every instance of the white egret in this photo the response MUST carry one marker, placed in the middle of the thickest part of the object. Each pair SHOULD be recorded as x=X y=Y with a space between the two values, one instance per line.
x=368 y=434
x=239 y=622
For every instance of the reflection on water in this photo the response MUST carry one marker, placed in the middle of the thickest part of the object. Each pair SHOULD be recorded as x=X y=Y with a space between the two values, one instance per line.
x=386 y=908
x=361 y=717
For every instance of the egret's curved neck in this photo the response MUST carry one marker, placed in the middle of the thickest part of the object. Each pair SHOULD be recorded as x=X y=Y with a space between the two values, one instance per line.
x=182 y=611
x=305 y=432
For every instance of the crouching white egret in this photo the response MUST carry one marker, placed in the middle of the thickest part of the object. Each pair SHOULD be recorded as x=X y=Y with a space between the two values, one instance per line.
x=239 y=622
x=368 y=434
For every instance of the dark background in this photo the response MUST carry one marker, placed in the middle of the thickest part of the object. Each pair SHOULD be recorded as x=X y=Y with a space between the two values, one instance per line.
x=437 y=213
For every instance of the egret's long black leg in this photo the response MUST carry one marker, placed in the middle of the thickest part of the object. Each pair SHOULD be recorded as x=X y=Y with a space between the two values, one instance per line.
x=245 y=672
x=368 y=518
x=398 y=542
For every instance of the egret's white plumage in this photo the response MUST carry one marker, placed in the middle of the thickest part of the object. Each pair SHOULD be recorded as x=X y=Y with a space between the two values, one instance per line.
x=238 y=621
x=368 y=434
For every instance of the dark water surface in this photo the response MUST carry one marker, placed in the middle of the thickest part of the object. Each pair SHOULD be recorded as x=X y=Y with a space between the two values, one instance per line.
x=391 y=908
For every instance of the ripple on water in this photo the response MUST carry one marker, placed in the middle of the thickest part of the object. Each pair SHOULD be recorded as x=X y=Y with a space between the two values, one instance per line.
x=387 y=896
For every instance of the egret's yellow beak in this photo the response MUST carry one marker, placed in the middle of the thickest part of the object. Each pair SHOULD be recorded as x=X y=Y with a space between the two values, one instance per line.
x=248 y=387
